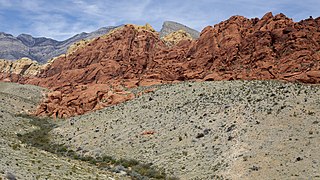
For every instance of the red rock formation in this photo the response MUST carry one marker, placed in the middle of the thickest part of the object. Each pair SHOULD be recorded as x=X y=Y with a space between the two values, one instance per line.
x=270 y=48
x=97 y=74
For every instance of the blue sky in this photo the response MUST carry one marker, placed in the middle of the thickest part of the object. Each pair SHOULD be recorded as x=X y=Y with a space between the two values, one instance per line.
x=60 y=19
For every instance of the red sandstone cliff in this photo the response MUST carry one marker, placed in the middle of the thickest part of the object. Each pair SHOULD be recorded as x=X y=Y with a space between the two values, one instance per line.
x=98 y=74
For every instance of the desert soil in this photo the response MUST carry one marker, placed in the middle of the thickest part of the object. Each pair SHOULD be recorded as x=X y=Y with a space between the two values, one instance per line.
x=21 y=161
x=209 y=130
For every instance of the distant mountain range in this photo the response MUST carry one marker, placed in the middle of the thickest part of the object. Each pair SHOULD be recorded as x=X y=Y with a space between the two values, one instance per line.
x=40 y=49
x=43 y=49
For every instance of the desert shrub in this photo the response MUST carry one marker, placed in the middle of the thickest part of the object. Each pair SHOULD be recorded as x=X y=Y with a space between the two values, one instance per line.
x=108 y=159
x=149 y=171
x=127 y=163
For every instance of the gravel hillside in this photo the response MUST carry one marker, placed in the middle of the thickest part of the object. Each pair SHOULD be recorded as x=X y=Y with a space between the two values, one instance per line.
x=209 y=130
x=21 y=161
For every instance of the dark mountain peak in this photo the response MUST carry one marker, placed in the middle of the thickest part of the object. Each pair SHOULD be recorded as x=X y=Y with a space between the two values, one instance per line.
x=26 y=39
x=45 y=41
x=3 y=34
x=24 y=36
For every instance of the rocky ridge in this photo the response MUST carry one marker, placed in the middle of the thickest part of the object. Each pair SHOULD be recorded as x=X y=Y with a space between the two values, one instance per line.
x=43 y=49
x=101 y=72
x=40 y=49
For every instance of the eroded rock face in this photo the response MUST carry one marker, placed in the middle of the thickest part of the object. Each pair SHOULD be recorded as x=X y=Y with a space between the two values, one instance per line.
x=116 y=61
x=273 y=47
x=14 y=71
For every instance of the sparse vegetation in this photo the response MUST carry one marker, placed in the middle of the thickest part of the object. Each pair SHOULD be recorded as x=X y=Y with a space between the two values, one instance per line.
x=259 y=115
x=40 y=138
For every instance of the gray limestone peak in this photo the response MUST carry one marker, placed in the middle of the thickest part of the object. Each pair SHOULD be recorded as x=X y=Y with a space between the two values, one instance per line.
x=170 y=26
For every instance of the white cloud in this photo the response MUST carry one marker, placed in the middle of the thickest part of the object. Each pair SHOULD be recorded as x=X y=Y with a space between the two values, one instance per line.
x=87 y=8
